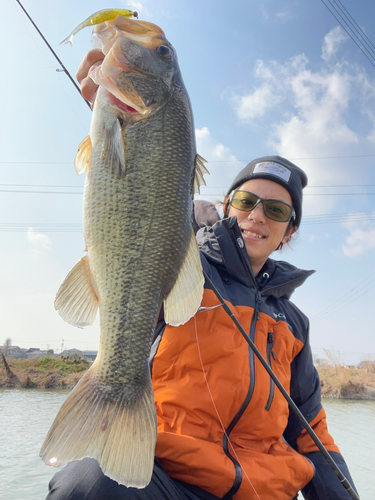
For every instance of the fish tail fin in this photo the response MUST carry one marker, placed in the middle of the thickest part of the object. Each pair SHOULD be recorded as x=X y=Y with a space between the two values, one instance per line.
x=120 y=434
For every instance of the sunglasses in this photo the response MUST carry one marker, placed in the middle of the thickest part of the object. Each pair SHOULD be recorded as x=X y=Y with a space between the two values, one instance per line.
x=273 y=209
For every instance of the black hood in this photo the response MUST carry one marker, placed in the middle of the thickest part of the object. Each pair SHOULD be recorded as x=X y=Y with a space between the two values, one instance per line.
x=224 y=248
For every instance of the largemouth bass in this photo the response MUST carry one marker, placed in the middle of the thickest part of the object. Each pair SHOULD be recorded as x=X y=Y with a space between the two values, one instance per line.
x=141 y=164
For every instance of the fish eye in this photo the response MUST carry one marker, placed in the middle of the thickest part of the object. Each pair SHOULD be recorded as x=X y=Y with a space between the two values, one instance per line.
x=163 y=50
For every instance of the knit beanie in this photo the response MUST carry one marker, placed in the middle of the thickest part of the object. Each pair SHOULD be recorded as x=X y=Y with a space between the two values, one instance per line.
x=276 y=169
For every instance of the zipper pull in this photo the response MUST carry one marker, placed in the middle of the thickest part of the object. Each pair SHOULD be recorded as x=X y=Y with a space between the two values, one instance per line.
x=271 y=341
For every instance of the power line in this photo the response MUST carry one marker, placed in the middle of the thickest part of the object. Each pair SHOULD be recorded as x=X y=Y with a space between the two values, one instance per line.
x=355 y=22
x=206 y=187
x=208 y=161
x=347 y=30
x=38 y=192
x=42 y=185
x=76 y=227
x=326 y=309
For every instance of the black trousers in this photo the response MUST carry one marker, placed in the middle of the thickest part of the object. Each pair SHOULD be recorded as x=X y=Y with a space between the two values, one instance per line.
x=84 y=480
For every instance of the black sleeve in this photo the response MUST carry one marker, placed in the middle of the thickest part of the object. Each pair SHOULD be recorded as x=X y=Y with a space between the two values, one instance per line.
x=326 y=485
x=304 y=390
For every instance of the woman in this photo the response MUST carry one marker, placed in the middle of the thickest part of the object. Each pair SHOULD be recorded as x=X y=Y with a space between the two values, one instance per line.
x=224 y=431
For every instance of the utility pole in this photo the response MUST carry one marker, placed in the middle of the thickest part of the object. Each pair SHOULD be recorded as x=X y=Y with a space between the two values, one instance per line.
x=62 y=346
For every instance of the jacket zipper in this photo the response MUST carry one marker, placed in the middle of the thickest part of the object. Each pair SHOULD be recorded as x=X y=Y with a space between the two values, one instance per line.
x=238 y=471
x=270 y=342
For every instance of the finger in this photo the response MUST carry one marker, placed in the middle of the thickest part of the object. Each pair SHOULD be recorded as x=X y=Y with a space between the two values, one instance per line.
x=89 y=89
x=92 y=57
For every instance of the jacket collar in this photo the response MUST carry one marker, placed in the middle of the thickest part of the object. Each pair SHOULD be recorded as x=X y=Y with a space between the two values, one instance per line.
x=224 y=248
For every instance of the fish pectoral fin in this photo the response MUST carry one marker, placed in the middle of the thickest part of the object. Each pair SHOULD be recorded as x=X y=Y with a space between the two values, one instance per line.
x=82 y=160
x=76 y=300
x=199 y=171
x=186 y=295
x=113 y=148
x=120 y=433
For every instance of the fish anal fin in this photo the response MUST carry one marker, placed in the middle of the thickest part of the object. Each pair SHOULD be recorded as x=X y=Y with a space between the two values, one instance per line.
x=82 y=160
x=186 y=295
x=199 y=171
x=120 y=434
x=76 y=300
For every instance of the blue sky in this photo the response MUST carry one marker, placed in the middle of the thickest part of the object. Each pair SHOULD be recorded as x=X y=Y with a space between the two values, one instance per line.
x=264 y=77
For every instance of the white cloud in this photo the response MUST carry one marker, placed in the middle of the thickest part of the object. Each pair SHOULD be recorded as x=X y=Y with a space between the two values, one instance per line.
x=41 y=242
x=282 y=14
x=332 y=42
x=264 y=13
x=223 y=165
x=359 y=242
x=308 y=111
x=361 y=238
x=314 y=237
x=256 y=103
x=210 y=149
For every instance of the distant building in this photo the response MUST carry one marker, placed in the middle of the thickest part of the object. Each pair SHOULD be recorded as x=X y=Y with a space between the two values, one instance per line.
x=73 y=353
x=16 y=352
x=89 y=355
x=366 y=365
x=35 y=353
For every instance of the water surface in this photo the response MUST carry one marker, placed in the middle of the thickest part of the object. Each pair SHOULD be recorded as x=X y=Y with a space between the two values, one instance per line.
x=26 y=416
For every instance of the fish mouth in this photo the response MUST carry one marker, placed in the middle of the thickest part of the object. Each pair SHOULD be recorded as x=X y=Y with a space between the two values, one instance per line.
x=129 y=101
x=121 y=105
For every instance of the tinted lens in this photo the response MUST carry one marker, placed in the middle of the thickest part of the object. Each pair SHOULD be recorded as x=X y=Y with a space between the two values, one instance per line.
x=277 y=210
x=243 y=200
x=273 y=209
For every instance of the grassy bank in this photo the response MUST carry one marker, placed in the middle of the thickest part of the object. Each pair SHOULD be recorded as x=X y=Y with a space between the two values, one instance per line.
x=45 y=373
x=56 y=373
x=347 y=383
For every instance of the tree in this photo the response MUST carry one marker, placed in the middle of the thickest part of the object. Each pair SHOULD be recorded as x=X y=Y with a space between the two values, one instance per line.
x=7 y=344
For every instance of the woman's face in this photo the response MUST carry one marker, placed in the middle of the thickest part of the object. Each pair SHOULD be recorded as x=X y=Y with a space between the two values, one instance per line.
x=262 y=235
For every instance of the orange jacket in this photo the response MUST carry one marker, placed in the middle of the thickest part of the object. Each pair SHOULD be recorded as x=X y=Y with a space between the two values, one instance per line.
x=222 y=425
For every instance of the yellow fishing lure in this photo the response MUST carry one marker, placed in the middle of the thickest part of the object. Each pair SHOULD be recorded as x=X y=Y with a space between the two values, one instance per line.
x=97 y=18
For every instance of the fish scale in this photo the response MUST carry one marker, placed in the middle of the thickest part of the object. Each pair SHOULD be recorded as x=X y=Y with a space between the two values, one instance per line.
x=141 y=164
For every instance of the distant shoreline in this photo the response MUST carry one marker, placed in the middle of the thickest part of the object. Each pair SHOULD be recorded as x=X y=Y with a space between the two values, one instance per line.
x=337 y=382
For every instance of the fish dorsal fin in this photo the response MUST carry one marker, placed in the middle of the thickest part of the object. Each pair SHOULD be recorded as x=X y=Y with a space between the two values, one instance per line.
x=76 y=300
x=186 y=295
x=82 y=160
x=113 y=148
x=199 y=171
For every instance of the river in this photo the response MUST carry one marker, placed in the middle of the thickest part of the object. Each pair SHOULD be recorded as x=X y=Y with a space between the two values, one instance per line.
x=26 y=415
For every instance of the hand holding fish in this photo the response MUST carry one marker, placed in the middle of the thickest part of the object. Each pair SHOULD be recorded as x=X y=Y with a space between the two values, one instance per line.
x=89 y=88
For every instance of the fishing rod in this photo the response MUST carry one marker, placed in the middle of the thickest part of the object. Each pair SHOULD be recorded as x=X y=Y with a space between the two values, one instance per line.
x=54 y=53
x=277 y=382
x=228 y=310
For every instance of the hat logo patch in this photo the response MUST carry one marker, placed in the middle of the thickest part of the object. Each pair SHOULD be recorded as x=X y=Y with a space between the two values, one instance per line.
x=271 y=168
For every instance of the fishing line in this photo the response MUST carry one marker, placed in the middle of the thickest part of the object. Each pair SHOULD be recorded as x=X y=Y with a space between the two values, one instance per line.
x=215 y=407
x=290 y=401
x=53 y=52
